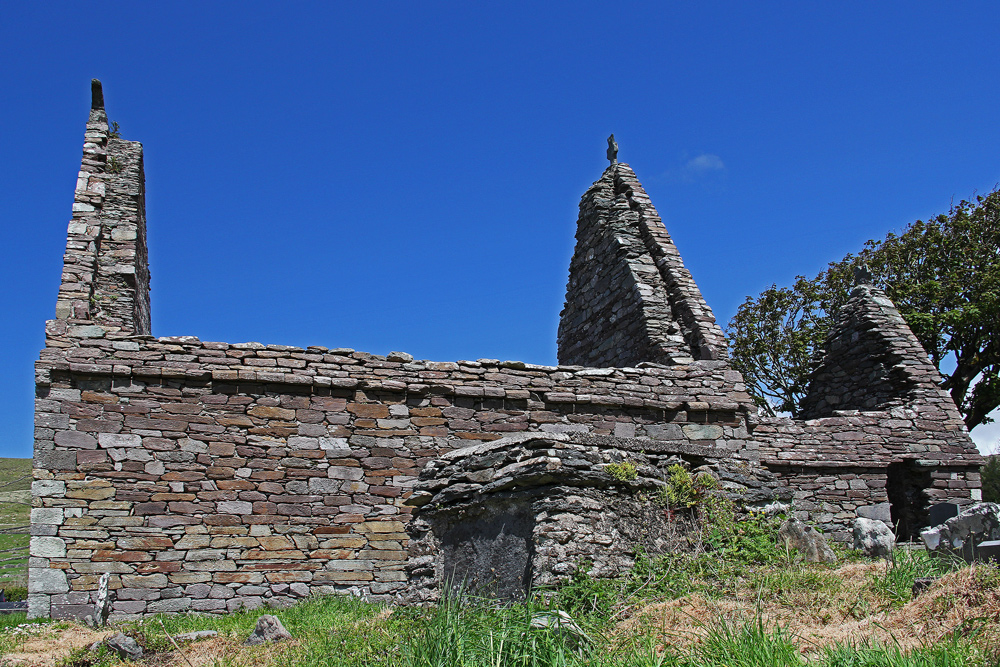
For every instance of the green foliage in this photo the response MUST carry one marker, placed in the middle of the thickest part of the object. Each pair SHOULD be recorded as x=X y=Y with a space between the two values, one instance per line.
x=907 y=566
x=774 y=339
x=686 y=490
x=952 y=653
x=15 y=474
x=746 y=539
x=991 y=479
x=15 y=593
x=334 y=631
x=747 y=644
x=731 y=550
x=14 y=572
x=115 y=166
x=623 y=472
x=750 y=540
x=942 y=274
x=84 y=657
x=459 y=634
x=114 y=130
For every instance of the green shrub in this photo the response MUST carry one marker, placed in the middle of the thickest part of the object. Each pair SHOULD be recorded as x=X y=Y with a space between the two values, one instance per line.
x=686 y=490
x=15 y=593
x=623 y=472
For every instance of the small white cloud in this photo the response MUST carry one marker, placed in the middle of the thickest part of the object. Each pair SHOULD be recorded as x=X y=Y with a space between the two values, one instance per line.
x=705 y=163
x=987 y=436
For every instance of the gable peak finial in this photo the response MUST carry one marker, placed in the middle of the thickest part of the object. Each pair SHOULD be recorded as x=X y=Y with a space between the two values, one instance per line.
x=612 y=150
x=96 y=95
x=862 y=276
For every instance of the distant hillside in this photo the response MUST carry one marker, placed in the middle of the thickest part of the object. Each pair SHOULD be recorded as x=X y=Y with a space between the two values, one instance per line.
x=15 y=475
x=15 y=508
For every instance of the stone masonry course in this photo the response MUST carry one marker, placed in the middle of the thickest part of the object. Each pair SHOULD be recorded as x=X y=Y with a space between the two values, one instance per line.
x=211 y=476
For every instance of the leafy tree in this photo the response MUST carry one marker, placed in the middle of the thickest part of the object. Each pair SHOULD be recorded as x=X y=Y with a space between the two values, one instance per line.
x=943 y=275
x=991 y=479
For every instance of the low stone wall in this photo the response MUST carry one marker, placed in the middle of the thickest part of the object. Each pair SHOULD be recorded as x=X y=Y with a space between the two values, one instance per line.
x=502 y=518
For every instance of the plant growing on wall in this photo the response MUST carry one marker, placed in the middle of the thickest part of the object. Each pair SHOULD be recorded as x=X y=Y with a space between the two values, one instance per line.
x=623 y=472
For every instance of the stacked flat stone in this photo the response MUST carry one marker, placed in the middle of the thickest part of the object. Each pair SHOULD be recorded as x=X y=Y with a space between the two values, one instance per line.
x=528 y=511
x=208 y=476
x=873 y=401
x=105 y=277
x=630 y=299
x=872 y=361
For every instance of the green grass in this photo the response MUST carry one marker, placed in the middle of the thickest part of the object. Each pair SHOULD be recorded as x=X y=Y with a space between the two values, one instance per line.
x=741 y=563
x=950 y=654
x=15 y=512
x=338 y=631
x=15 y=485
x=12 y=470
x=907 y=566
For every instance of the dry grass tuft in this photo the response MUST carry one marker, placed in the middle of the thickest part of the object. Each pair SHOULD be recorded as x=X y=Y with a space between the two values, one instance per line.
x=51 y=645
x=966 y=602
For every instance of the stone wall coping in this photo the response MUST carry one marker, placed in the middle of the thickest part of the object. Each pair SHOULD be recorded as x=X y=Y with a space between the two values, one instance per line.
x=698 y=386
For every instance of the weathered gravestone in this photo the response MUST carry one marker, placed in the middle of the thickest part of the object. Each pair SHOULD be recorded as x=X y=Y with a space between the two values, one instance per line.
x=962 y=535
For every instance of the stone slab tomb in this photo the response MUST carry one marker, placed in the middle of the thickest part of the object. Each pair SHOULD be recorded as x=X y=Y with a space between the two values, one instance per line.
x=211 y=476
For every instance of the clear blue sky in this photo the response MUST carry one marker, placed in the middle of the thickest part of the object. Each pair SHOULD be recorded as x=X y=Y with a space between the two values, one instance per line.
x=405 y=176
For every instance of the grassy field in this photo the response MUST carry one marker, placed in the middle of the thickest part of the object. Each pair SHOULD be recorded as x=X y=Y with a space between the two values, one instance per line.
x=15 y=510
x=744 y=603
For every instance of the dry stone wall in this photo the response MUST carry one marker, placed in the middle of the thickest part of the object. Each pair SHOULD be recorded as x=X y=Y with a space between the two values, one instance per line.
x=209 y=476
x=105 y=276
x=528 y=511
x=630 y=298
x=895 y=445
x=872 y=361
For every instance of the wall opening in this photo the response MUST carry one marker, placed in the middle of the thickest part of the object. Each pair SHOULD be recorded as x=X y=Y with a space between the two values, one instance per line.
x=906 y=484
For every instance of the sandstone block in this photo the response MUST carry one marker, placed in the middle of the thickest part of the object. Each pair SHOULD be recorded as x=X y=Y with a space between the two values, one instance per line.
x=144 y=581
x=235 y=507
x=97 y=493
x=118 y=440
x=267 y=412
x=47 y=581
x=145 y=543
x=368 y=410
x=76 y=440
x=47 y=547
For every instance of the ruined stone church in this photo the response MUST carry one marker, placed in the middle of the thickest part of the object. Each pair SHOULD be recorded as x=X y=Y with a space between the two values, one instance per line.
x=211 y=476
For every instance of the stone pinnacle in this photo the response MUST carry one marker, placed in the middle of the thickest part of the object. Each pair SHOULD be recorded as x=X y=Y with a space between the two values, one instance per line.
x=96 y=94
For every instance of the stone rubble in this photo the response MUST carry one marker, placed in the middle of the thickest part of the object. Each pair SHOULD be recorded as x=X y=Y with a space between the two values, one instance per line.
x=807 y=540
x=124 y=646
x=268 y=629
x=873 y=538
x=961 y=535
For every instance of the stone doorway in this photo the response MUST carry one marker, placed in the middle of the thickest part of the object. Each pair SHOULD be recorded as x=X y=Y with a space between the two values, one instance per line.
x=906 y=484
